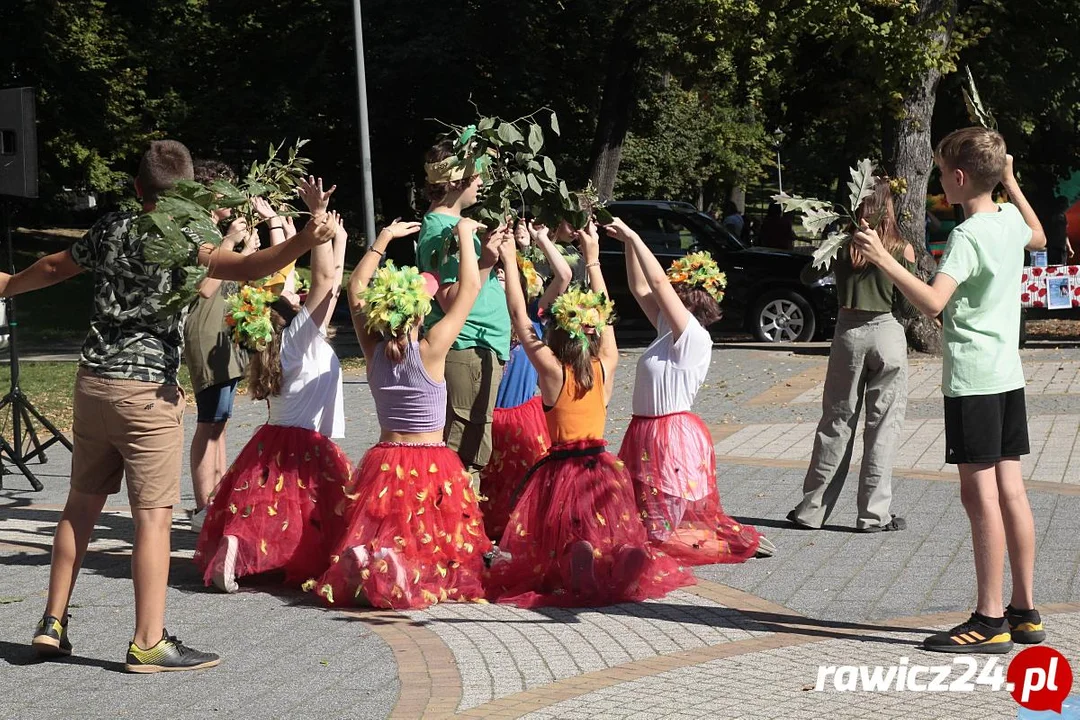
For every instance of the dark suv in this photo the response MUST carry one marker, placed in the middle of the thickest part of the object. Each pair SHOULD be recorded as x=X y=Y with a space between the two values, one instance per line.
x=764 y=294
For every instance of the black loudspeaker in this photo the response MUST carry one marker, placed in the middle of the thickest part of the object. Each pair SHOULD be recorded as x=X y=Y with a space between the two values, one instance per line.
x=18 y=143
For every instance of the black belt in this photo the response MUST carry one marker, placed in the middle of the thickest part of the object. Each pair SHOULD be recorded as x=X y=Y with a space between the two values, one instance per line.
x=562 y=454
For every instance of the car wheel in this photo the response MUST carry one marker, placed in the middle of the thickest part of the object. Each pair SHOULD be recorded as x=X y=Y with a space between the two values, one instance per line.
x=783 y=316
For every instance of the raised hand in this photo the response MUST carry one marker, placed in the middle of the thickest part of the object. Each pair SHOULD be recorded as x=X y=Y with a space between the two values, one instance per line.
x=1008 y=175
x=311 y=192
x=325 y=228
x=263 y=208
x=340 y=233
x=467 y=227
x=521 y=234
x=399 y=229
x=289 y=227
x=492 y=247
x=538 y=232
x=589 y=240
x=867 y=242
x=251 y=243
x=619 y=230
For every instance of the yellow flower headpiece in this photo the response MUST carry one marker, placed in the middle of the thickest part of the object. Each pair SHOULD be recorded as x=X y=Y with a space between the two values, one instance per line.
x=582 y=312
x=395 y=300
x=248 y=314
x=699 y=270
x=534 y=284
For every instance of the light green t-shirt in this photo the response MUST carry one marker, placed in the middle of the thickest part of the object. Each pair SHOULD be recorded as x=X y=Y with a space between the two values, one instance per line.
x=488 y=325
x=985 y=256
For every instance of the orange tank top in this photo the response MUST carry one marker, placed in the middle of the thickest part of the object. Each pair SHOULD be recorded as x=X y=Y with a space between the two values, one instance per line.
x=572 y=419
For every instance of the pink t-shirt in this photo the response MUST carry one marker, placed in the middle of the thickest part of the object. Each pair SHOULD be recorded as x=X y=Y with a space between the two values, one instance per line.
x=669 y=373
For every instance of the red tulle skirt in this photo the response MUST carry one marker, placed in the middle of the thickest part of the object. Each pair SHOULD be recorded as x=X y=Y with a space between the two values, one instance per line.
x=414 y=534
x=519 y=437
x=673 y=464
x=282 y=499
x=579 y=498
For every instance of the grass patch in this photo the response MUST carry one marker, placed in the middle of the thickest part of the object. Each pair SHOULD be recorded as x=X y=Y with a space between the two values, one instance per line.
x=50 y=386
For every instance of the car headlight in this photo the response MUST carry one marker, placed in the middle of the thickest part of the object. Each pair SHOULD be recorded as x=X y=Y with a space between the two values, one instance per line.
x=829 y=279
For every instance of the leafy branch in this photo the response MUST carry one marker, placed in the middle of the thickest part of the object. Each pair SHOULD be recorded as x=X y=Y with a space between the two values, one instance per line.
x=819 y=215
x=182 y=219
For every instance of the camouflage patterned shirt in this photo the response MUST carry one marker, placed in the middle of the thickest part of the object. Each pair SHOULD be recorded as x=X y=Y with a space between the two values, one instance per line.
x=129 y=339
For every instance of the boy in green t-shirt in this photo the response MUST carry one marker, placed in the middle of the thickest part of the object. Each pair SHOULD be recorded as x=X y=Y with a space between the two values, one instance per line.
x=475 y=362
x=982 y=379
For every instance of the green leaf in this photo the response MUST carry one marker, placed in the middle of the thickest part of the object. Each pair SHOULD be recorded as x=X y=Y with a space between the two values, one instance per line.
x=861 y=185
x=555 y=124
x=6 y=600
x=797 y=204
x=510 y=134
x=815 y=220
x=519 y=180
x=603 y=216
x=829 y=249
x=534 y=185
x=977 y=112
x=579 y=219
x=536 y=138
x=564 y=193
x=549 y=169
x=485 y=124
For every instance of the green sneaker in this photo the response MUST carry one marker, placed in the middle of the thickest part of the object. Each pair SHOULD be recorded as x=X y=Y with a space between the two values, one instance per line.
x=1026 y=626
x=169 y=655
x=51 y=638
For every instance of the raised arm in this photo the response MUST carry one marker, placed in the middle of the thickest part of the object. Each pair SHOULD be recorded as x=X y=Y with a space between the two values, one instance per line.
x=561 y=274
x=442 y=334
x=1012 y=187
x=662 y=296
x=609 y=351
x=238 y=232
x=227 y=265
x=539 y=354
x=327 y=266
x=46 y=272
x=362 y=274
x=489 y=255
x=929 y=299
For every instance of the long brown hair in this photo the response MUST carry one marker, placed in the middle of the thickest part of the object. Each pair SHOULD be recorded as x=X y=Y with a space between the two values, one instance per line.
x=570 y=353
x=887 y=229
x=264 y=367
x=395 y=346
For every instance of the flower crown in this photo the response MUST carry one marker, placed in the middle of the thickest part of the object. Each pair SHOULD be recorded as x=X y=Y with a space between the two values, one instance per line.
x=581 y=312
x=248 y=314
x=699 y=270
x=395 y=300
x=534 y=284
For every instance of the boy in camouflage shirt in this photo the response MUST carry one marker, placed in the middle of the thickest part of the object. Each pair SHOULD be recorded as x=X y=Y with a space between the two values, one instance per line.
x=128 y=408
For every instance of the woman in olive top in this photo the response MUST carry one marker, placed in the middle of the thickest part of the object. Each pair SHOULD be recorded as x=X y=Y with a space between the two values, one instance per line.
x=867 y=366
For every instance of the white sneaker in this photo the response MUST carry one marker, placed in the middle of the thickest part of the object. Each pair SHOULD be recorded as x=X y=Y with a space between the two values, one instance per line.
x=197 y=519
x=225 y=565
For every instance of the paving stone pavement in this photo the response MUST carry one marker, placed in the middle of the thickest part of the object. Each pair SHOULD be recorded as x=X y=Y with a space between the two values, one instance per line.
x=744 y=643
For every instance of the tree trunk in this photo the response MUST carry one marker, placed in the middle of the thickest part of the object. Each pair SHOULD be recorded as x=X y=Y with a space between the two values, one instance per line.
x=913 y=157
x=617 y=103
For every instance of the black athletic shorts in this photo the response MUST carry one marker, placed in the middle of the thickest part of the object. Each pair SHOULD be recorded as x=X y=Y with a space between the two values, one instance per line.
x=985 y=428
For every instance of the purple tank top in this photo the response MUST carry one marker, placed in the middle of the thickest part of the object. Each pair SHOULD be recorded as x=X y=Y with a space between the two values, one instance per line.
x=407 y=400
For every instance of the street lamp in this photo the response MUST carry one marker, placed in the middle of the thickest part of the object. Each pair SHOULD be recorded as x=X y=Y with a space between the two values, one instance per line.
x=778 y=137
x=365 y=141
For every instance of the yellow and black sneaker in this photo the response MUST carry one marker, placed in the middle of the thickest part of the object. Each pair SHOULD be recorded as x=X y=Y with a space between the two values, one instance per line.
x=979 y=634
x=1026 y=626
x=169 y=655
x=51 y=638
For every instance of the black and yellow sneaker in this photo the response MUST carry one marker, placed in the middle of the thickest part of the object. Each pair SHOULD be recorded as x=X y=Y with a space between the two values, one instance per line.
x=1026 y=626
x=169 y=655
x=51 y=638
x=979 y=634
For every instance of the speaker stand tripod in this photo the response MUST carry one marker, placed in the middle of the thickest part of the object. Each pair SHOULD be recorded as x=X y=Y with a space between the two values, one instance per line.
x=23 y=412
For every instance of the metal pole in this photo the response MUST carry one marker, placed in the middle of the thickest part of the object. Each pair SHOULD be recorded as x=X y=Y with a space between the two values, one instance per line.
x=365 y=141
x=779 y=171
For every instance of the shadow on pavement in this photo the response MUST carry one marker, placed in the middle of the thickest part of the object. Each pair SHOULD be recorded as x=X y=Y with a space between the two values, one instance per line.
x=17 y=654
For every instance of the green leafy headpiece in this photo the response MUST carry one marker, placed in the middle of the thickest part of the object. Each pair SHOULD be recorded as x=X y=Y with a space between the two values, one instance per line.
x=580 y=313
x=395 y=300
